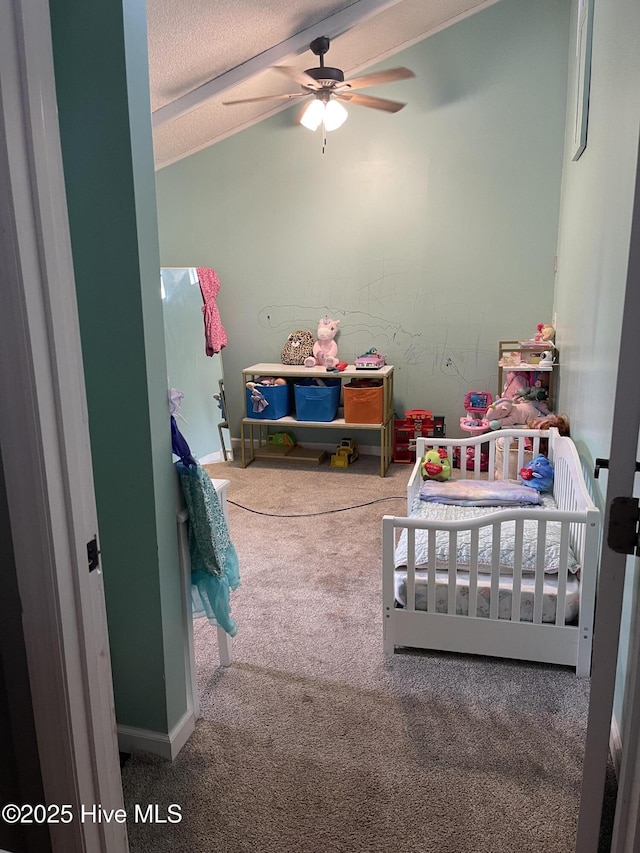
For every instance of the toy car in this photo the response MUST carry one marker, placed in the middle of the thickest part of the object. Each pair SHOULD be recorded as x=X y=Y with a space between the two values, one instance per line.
x=346 y=453
x=370 y=360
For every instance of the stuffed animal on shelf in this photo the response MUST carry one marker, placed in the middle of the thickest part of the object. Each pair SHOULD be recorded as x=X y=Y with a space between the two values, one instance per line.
x=505 y=412
x=435 y=465
x=516 y=383
x=299 y=346
x=545 y=332
x=325 y=349
x=538 y=394
x=538 y=474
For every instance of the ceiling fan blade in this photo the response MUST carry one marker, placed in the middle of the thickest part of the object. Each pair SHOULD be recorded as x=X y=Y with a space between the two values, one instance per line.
x=300 y=77
x=266 y=98
x=376 y=78
x=369 y=101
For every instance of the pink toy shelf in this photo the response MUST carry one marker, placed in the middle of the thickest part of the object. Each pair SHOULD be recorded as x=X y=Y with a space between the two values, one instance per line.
x=476 y=404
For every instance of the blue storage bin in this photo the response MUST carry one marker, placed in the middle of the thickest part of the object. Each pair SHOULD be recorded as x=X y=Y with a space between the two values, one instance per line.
x=279 y=399
x=317 y=402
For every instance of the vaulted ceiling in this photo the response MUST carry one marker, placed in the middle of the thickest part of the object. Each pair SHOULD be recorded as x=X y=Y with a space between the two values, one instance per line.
x=204 y=52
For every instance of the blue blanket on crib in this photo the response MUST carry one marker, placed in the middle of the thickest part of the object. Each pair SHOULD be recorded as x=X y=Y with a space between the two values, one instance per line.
x=479 y=493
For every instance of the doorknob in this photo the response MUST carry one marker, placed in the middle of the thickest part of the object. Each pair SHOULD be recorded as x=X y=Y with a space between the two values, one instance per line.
x=604 y=463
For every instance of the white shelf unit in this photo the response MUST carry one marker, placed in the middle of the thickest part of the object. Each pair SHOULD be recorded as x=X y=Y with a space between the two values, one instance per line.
x=254 y=430
x=527 y=353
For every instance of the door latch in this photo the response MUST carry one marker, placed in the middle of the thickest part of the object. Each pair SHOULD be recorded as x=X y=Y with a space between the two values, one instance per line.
x=93 y=554
x=604 y=463
x=624 y=518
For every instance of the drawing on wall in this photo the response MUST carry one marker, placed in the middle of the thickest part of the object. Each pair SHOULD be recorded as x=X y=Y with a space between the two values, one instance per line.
x=431 y=369
x=584 y=33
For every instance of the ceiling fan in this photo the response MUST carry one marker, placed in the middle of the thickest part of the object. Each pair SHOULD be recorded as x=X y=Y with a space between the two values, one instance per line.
x=328 y=88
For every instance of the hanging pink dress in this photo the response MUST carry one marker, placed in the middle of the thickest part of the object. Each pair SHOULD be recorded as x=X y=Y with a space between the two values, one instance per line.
x=214 y=334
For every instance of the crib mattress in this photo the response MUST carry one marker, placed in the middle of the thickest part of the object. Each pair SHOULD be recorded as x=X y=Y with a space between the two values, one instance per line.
x=527 y=588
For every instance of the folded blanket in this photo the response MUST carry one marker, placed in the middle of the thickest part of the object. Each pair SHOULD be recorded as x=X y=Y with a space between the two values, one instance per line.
x=478 y=493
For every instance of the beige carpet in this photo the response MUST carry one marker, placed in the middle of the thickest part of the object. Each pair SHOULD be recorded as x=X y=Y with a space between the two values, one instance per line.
x=314 y=741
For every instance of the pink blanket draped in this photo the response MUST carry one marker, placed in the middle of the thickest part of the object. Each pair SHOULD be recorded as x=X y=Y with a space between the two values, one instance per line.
x=214 y=334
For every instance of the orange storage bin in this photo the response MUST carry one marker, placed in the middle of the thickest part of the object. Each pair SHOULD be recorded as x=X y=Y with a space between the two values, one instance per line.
x=362 y=404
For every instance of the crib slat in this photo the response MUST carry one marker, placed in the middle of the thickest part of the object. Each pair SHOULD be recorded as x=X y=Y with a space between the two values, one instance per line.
x=477 y=461
x=495 y=570
x=492 y=460
x=431 y=576
x=539 y=582
x=411 y=569
x=473 y=573
x=516 y=589
x=453 y=572
x=562 y=574
x=506 y=448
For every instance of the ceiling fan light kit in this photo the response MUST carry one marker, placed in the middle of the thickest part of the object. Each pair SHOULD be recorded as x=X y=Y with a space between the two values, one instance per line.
x=330 y=113
x=327 y=87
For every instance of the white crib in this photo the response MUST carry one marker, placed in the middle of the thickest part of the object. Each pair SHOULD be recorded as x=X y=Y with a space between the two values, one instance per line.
x=520 y=610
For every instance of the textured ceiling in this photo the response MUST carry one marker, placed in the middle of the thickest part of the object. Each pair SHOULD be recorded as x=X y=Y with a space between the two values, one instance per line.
x=204 y=52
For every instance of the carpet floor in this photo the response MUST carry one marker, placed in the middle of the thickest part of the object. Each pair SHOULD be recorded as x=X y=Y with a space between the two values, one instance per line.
x=314 y=741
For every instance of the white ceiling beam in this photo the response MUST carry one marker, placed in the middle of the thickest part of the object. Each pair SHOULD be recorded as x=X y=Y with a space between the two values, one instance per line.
x=333 y=26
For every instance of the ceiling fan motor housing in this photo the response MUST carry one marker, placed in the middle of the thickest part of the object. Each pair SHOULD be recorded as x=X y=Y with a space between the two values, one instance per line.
x=326 y=76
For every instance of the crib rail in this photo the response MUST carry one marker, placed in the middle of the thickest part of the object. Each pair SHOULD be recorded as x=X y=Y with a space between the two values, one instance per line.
x=443 y=620
x=469 y=569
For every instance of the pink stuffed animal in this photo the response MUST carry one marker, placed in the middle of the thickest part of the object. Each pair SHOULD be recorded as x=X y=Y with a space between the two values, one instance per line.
x=325 y=349
x=505 y=413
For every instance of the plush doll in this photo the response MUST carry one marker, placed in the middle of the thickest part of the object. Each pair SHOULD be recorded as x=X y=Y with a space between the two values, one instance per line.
x=299 y=346
x=435 y=465
x=516 y=383
x=538 y=394
x=505 y=413
x=325 y=349
x=538 y=474
x=545 y=332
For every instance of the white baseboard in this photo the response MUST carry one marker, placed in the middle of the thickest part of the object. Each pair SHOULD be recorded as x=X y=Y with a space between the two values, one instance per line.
x=210 y=458
x=132 y=739
x=615 y=745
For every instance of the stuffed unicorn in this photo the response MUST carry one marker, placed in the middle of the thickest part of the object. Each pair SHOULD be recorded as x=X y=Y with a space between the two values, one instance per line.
x=325 y=349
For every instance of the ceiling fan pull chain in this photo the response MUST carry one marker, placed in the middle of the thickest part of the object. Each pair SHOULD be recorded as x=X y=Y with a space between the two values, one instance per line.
x=324 y=138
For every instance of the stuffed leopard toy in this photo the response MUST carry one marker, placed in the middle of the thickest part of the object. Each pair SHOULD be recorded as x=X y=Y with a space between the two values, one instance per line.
x=299 y=346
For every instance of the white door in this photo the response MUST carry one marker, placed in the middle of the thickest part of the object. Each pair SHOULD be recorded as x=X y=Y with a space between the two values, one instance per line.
x=622 y=464
x=46 y=455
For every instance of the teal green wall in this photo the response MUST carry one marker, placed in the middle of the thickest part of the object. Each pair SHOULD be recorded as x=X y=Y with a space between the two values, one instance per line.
x=593 y=248
x=107 y=152
x=430 y=233
x=189 y=368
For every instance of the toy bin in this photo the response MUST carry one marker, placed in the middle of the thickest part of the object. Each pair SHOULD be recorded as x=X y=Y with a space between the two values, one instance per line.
x=363 y=403
x=278 y=398
x=317 y=402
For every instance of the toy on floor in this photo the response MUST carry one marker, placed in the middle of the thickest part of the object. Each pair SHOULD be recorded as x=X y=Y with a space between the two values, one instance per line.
x=325 y=349
x=287 y=439
x=476 y=404
x=538 y=474
x=470 y=457
x=346 y=453
x=435 y=465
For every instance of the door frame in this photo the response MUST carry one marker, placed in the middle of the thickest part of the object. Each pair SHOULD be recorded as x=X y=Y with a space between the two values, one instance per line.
x=44 y=439
x=611 y=582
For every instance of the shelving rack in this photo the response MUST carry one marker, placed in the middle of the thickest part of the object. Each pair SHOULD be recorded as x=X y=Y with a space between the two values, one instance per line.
x=254 y=431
